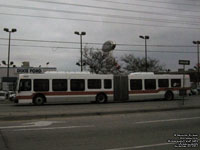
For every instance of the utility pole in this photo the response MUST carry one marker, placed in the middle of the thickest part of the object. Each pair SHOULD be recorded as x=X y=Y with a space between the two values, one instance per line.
x=197 y=43
x=9 y=31
x=81 y=51
x=146 y=37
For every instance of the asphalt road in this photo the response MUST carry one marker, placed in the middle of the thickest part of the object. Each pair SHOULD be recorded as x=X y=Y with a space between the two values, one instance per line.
x=145 y=131
x=10 y=111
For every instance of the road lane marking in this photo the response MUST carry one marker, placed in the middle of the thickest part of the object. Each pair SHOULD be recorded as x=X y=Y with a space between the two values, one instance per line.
x=32 y=124
x=142 y=146
x=167 y=120
x=53 y=128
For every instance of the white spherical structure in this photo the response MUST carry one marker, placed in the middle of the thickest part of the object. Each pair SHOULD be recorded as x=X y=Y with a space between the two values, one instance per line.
x=108 y=46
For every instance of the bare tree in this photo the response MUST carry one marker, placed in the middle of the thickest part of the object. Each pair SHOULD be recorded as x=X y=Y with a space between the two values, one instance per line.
x=137 y=64
x=96 y=61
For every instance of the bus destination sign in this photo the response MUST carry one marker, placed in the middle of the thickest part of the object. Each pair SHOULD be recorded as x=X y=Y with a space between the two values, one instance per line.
x=184 y=62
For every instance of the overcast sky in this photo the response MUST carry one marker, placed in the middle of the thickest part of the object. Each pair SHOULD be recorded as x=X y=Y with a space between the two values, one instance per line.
x=171 y=25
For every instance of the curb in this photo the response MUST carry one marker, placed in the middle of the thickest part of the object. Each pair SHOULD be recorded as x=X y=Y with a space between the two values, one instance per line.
x=65 y=115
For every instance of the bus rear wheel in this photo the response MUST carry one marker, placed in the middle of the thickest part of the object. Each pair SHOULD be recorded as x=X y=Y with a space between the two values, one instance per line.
x=169 y=96
x=101 y=98
x=39 y=100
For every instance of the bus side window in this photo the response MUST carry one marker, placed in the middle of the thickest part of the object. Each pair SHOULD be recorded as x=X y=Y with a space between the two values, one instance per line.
x=41 y=85
x=107 y=83
x=136 y=84
x=77 y=84
x=25 y=85
x=94 y=84
x=176 y=82
x=59 y=84
x=150 y=84
x=163 y=83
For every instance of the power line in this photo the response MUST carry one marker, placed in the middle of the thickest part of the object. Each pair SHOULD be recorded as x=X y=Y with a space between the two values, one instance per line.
x=121 y=17
x=43 y=41
x=151 y=51
x=97 y=21
x=172 y=3
x=149 y=6
x=97 y=43
x=110 y=8
x=74 y=48
x=37 y=46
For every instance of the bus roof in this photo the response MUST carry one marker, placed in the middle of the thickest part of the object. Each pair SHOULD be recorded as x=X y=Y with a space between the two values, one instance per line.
x=58 y=75
x=152 y=75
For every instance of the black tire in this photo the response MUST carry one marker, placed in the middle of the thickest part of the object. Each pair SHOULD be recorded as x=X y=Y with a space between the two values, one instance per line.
x=39 y=100
x=101 y=98
x=169 y=96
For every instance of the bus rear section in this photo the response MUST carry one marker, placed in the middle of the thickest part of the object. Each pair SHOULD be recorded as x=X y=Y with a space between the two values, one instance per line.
x=143 y=86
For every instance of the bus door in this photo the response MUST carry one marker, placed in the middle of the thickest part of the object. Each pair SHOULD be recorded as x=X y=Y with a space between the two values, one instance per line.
x=25 y=87
x=121 y=88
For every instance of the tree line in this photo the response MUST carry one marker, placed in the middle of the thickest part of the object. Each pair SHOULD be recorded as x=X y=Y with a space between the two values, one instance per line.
x=99 y=62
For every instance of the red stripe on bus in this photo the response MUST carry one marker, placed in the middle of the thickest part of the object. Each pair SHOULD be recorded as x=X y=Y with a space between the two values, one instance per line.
x=24 y=97
x=77 y=93
x=96 y=92
x=155 y=91
x=64 y=93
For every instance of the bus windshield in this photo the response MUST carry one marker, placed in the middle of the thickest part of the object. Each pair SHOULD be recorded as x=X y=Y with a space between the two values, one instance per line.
x=25 y=85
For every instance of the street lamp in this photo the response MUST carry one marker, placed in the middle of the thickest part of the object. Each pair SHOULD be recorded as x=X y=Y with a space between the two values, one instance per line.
x=47 y=64
x=146 y=37
x=4 y=63
x=197 y=43
x=9 y=31
x=81 y=34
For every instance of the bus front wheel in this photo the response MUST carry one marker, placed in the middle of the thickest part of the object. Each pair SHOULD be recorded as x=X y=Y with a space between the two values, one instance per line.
x=39 y=100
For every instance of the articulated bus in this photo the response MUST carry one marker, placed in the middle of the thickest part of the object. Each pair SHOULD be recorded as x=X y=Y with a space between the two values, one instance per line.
x=53 y=87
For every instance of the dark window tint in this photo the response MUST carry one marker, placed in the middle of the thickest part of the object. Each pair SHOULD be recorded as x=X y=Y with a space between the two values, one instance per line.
x=59 y=84
x=77 y=85
x=163 y=83
x=107 y=84
x=41 y=85
x=25 y=85
x=150 y=84
x=136 y=84
x=176 y=82
x=94 y=84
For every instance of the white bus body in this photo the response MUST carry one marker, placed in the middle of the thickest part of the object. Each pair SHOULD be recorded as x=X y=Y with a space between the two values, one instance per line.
x=70 y=87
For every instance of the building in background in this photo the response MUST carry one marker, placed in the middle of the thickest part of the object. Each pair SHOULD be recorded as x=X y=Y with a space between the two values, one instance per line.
x=9 y=83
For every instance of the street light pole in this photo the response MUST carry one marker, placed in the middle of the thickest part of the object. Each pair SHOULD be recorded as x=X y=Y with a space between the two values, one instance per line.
x=9 y=31
x=81 y=34
x=197 y=43
x=81 y=53
x=146 y=37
